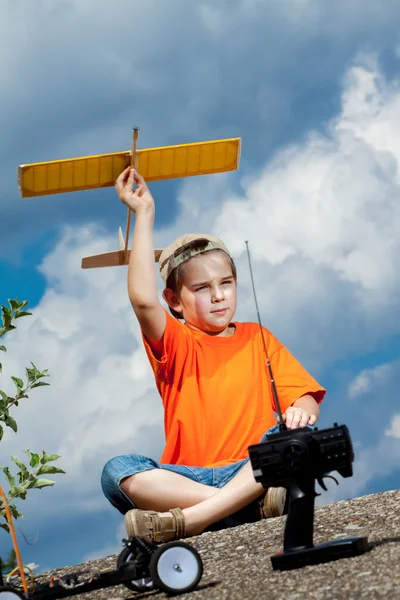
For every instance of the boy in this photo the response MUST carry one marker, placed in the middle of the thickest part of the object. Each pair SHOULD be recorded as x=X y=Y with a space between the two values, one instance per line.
x=212 y=377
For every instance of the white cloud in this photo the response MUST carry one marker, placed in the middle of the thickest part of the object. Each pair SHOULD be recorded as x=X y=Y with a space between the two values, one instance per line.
x=182 y=70
x=322 y=219
x=333 y=200
x=102 y=400
x=368 y=378
x=394 y=430
x=374 y=424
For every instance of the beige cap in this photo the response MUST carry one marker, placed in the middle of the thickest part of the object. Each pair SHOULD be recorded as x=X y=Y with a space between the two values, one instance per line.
x=174 y=254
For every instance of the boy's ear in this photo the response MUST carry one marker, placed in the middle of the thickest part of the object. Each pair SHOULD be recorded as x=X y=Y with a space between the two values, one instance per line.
x=172 y=300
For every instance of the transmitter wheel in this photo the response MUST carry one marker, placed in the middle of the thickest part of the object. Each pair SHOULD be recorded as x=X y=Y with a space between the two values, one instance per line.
x=142 y=584
x=10 y=593
x=176 y=567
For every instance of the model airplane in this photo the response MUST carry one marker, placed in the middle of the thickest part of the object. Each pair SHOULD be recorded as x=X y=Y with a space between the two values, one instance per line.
x=89 y=172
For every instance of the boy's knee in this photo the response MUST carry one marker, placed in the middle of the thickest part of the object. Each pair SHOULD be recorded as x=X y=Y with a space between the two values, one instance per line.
x=110 y=471
x=120 y=469
x=109 y=478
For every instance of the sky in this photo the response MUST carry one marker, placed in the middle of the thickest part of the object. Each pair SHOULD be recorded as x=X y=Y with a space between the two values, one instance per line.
x=312 y=89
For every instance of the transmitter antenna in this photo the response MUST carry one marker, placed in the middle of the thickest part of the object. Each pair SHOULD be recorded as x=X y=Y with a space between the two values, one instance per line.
x=282 y=425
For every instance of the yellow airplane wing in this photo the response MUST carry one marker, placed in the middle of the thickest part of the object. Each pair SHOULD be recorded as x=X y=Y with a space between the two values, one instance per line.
x=167 y=162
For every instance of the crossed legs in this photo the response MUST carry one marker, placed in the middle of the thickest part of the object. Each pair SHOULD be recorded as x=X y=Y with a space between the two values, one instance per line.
x=202 y=505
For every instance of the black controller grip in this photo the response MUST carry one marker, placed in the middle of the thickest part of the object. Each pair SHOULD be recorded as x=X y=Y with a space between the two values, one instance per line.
x=300 y=518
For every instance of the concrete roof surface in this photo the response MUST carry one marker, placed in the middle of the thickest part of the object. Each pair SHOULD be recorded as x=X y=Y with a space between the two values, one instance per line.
x=237 y=562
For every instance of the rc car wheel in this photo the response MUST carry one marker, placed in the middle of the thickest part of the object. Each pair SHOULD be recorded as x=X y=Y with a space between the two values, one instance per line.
x=9 y=593
x=143 y=584
x=176 y=568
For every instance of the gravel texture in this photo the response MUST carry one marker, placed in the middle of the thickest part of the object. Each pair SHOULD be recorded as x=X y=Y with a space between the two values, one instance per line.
x=237 y=562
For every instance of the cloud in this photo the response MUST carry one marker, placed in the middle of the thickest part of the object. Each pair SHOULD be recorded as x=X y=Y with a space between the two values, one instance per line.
x=394 y=430
x=322 y=218
x=370 y=406
x=102 y=400
x=368 y=378
x=183 y=72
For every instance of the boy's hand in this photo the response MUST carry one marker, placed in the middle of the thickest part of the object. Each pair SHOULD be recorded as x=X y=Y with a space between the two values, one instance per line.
x=298 y=417
x=139 y=199
x=305 y=411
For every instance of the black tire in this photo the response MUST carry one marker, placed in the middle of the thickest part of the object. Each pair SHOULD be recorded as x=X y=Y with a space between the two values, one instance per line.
x=143 y=584
x=8 y=592
x=163 y=569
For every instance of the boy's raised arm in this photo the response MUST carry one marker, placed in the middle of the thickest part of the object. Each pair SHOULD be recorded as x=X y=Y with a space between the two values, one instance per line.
x=142 y=283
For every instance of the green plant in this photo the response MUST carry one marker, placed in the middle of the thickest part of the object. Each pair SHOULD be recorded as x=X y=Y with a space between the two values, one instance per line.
x=28 y=476
x=11 y=561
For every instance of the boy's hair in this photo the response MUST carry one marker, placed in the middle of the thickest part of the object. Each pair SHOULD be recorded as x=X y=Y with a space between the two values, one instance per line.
x=174 y=281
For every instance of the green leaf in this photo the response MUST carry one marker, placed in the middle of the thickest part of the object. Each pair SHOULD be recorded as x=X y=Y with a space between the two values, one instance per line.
x=1 y=432
x=34 y=374
x=29 y=453
x=49 y=470
x=18 y=462
x=29 y=483
x=1 y=368
x=5 y=526
x=24 y=473
x=7 y=318
x=18 y=382
x=22 y=313
x=40 y=483
x=4 y=396
x=15 y=512
x=3 y=348
x=39 y=384
x=10 y=478
x=45 y=458
x=31 y=373
x=11 y=423
x=8 y=327
x=15 y=304
x=17 y=491
x=34 y=460
x=43 y=373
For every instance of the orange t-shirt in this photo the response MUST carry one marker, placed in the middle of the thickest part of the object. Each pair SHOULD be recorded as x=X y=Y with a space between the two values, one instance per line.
x=216 y=391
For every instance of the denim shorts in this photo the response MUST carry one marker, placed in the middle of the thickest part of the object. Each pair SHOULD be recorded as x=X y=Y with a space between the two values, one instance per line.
x=120 y=467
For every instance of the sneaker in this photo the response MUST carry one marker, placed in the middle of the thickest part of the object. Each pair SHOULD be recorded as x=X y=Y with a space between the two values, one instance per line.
x=272 y=503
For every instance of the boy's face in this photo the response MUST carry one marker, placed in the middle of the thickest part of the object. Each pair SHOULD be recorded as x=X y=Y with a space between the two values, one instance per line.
x=208 y=295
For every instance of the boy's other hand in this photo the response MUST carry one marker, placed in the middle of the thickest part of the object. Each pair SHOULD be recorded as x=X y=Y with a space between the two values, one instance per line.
x=139 y=199
x=298 y=417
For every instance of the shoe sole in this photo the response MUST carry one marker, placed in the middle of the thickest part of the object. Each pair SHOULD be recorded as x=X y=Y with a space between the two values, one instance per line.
x=131 y=525
x=274 y=502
